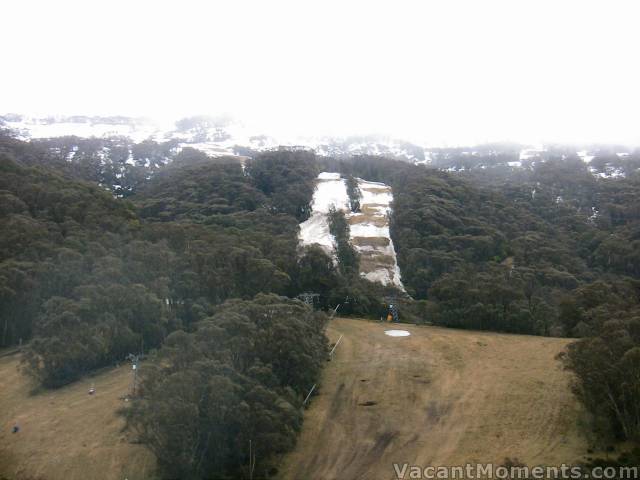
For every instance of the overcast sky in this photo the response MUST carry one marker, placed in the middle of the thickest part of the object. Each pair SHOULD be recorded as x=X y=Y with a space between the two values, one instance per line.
x=438 y=71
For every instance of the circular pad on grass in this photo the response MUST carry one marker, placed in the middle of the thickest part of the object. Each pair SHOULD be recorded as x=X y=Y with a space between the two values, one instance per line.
x=397 y=333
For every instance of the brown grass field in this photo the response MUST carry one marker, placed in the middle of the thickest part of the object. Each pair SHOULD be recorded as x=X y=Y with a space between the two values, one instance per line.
x=67 y=433
x=438 y=397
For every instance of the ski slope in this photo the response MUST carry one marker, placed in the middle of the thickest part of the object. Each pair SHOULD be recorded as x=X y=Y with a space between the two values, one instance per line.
x=436 y=397
x=369 y=227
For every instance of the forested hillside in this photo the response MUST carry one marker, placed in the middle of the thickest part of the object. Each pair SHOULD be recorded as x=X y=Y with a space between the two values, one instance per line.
x=188 y=249
x=509 y=253
x=87 y=278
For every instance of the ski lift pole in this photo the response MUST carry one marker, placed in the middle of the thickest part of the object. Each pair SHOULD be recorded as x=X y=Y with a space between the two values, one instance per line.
x=309 y=394
x=135 y=377
x=334 y=347
x=135 y=359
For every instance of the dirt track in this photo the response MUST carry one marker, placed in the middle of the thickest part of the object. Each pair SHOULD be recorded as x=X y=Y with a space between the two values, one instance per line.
x=437 y=397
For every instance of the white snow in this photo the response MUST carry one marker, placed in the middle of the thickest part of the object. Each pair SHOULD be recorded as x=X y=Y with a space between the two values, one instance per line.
x=315 y=231
x=532 y=152
x=609 y=172
x=330 y=192
x=368 y=230
x=585 y=156
x=130 y=160
x=29 y=127
x=397 y=333
x=329 y=176
x=375 y=197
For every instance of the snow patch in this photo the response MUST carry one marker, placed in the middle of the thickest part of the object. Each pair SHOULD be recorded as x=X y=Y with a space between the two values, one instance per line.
x=397 y=333
x=585 y=156
x=329 y=176
x=609 y=172
x=331 y=191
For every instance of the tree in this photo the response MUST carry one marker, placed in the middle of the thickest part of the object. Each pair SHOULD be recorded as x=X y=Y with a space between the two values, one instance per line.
x=239 y=379
x=607 y=369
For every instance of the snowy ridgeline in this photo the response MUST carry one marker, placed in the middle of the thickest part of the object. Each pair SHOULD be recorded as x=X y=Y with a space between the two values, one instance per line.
x=215 y=137
x=222 y=136
x=369 y=227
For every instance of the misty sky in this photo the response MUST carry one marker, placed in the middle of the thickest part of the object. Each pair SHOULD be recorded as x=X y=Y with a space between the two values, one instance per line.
x=437 y=71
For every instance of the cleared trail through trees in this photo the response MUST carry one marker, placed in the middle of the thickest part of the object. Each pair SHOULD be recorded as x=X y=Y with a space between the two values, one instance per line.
x=436 y=397
x=369 y=228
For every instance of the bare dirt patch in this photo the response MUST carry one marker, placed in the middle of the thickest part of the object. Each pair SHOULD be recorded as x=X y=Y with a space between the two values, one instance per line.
x=375 y=262
x=378 y=221
x=373 y=209
x=370 y=241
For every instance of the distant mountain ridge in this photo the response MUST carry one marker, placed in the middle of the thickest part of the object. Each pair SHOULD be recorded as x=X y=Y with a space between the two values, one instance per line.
x=222 y=136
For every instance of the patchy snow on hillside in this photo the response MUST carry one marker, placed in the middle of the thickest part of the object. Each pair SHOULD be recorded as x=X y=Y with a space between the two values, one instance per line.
x=608 y=172
x=370 y=235
x=532 y=152
x=216 y=136
x=331 y=191
x=85 y=127
x=585 y=156
x=369 y=228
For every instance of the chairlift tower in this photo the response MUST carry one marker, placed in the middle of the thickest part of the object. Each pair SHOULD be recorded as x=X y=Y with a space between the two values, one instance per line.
x=309 y=298
x=135 y=360
x=392 y=309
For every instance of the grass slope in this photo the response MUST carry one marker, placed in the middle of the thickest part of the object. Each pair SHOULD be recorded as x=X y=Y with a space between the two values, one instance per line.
x=438 y=397
x=66 y=433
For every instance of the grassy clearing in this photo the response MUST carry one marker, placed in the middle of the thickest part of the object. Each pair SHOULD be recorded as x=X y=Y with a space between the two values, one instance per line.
x=67 y=434
x=437 y=397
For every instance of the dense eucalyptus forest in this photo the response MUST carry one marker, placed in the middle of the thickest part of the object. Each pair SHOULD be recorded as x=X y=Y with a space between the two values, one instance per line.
x=109 y=248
